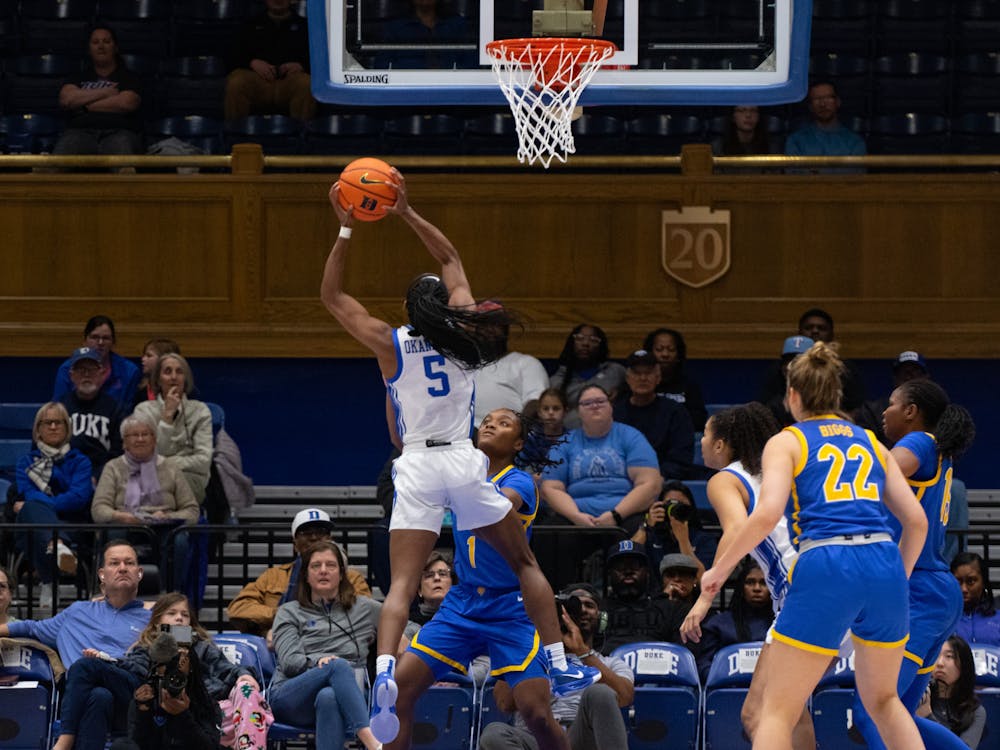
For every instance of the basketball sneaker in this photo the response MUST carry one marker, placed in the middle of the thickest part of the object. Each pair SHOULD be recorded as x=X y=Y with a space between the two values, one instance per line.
x=572 y=679
x=383 y=722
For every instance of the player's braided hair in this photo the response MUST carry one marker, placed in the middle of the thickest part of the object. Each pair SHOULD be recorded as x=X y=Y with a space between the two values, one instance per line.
x=470 y=337
x=951 y=424
x=534 y=456
x=745 y=429
x=817 y=375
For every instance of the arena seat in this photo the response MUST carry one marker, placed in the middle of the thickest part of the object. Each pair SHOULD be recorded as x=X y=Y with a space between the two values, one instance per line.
x=17 y=419
x=843 y=26
x=11 y=450
x=28 y=697
x=977 y=25
x=666 y=710
x=202 y=132
x=987 y=660
x=904 y=25
x=663 y=133
x=193 y=85
x=832 y=704
x=276 y=134
x=598 y=134
x=33 y=83
x=491 y=134
x=909 y=133
x=911 y=82
x=141 y=26
x=726 y=688
x=344 y=134
x=424 y=134
x=247 y=650
x=56 y=26
x=443 y=718
x=977 y=82
x=487 y=707
x=204 y=27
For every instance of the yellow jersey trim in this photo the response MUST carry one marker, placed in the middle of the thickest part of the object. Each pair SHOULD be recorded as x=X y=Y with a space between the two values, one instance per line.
x=524 y=664
x=460 y=668
x=526 y=518
x=875 y=449
x=882 y=644
x=914 y=658
x=803 y=645
x=803 y=447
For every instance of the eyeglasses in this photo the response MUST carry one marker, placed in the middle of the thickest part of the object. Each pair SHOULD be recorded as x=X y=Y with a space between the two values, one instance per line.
x=594 y=403
x=584 y=338
x=430 y=575
x=52 y=422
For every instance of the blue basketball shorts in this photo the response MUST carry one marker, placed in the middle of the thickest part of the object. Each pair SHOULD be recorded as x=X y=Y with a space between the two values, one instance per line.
x=935 y=606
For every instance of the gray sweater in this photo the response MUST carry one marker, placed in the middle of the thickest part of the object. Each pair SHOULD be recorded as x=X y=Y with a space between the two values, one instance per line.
x=303 y=635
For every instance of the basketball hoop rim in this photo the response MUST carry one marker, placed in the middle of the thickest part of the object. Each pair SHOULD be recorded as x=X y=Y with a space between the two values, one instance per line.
x=498 y=48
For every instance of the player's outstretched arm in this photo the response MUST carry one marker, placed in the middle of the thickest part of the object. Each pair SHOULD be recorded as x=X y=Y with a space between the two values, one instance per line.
x=439 y=246
x=352 y=315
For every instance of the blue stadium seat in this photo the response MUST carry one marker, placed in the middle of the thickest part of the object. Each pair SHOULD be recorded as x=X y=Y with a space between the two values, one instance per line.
x=277 y=134
x=28 y=697
x=10 y=36
x=909 y=133
x=142 y=26
x=699 y=488
x=444 y=716
x=977 y=82
x=491 y=134
x=977 y=25
x=203 y=132
x=726 y=688
x=58 y=26
x=489 y=712
x=206 y=27
x=11 y=450
x=247 y=650
x=663 y=133
x=832 y=704
x=976 y=133
x=33 y=82
x=844 y=26
x=17 y=420
x=666 y=709
x=193 y=86
x=424 y=134
x=598 y=134
x=987 y=660
x=218 y=417
x=904 y=25
x=911 y=82
x=344 y=134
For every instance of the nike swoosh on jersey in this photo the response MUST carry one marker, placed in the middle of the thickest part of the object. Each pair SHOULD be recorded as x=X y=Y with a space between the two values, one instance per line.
x=365 y=181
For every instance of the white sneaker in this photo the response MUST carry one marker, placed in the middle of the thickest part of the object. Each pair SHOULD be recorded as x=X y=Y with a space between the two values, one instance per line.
x=45 y=596
x=67 y=559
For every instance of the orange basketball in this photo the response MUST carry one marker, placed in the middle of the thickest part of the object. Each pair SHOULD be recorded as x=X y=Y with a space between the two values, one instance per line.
x=364 y=184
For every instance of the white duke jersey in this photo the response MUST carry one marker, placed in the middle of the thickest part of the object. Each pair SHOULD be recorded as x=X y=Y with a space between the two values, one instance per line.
x=775 y=554
x=432 y=397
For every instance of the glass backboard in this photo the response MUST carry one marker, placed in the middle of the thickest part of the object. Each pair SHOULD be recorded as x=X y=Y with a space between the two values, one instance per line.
x=683 y=52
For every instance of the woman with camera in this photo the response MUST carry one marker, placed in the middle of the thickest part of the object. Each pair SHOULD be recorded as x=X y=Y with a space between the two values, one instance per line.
x=321 y=637
x=671 y=526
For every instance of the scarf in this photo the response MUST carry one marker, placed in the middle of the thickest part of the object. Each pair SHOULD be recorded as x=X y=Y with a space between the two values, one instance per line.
x=40 y=471
x=143 y=486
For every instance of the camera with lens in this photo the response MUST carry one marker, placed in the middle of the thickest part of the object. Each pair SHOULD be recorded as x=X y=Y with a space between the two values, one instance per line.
x=675 y=509
x=572 y=606
x=164 y=657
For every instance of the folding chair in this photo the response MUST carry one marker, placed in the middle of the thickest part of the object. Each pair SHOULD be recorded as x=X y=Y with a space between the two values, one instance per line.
x=726 y=689
x=666 y=710
x=443 y=716
x=987 y=661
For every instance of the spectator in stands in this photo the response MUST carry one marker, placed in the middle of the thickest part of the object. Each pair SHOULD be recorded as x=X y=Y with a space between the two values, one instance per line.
x=95 y=417
x=792 y=347
x=152 y=350
x=665 y=423
x=102 y=103
x=592 y=718
x=141 y=488
x=53 y=486
x=315 y=684
x=951 y=700
x=679 y=575
x=219 y=677
x=909 y=365
x=606 y=472
x=582 y=362
x=748 y=618
x=816 y=324
x=552 y=414
x=670 y=350
x=117 y=378
x=431 y=26
x=183 y=425
x=672 y=526
x=109 y=624
x=634 y=615
x=980 y=620
x=744 y=134
x=434 y=585
x=825 y=134
x=510 y=382
x=6 y=593
x=269 y=66
x=253 y=609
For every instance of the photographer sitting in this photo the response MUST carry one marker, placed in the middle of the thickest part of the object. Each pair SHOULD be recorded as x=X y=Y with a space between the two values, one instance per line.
x=592 y=717
x=672 y=526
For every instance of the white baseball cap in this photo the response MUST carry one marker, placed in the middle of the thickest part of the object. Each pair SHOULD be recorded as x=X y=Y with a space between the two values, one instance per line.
x=311 y=516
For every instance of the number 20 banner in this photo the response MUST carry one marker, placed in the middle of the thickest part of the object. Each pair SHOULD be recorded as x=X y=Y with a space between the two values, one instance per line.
x=695 y=245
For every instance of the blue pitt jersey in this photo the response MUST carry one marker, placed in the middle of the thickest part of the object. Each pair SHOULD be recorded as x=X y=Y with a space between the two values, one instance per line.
x=476 y=562
x=931 y=483
x=432 y=396
x=838 y=482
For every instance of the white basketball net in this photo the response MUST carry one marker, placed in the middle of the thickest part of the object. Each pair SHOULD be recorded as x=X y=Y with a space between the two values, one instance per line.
x=542 y=80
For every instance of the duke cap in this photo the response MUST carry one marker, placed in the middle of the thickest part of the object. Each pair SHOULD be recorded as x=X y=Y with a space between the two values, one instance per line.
x=796 y=345
x=625 y=548
x=909 y=356
x=84 y=352
x=310 y=516
x=639 y=358
x=679 y=561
